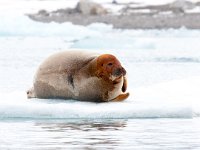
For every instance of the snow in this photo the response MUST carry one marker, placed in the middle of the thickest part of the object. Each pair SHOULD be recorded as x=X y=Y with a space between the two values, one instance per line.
x=194 y=10
x=26 y=6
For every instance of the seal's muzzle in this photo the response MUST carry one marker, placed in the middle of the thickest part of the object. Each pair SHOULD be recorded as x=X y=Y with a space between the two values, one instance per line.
x=119 y=71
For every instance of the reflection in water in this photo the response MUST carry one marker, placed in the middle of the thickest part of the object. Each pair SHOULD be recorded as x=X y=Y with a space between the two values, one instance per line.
x=84 y=125
x=100 y=134
x=85 y=133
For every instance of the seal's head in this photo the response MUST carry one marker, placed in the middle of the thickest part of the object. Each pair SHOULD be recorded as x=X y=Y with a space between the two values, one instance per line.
x=109 y=67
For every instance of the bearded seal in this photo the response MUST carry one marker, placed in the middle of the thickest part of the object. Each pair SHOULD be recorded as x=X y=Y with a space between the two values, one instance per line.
x=83 y=76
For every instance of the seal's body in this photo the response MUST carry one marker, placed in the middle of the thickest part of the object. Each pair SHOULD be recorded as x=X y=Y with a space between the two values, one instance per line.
x=80 y=75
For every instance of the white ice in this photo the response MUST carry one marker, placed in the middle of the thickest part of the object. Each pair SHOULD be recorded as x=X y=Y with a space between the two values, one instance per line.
x=162 y=65
x=174 y=99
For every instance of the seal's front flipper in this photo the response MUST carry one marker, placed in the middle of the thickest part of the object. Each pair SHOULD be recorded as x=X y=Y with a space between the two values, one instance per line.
x=30 y=93
x=124 y=87
x=121 y=97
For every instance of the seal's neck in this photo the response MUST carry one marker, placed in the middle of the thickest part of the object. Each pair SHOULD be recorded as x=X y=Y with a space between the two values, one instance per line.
x=92 y=67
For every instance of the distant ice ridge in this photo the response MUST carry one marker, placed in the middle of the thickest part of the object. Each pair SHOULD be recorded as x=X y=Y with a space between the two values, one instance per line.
x=27 y=27
x=175 y=99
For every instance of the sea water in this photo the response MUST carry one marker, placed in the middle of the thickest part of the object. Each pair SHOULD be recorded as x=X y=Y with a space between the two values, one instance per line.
x=155 y=134
x=163 y=71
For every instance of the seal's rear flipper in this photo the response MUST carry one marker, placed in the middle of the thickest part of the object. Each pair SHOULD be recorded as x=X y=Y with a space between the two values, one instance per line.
x=30 y=93
x=121 y=97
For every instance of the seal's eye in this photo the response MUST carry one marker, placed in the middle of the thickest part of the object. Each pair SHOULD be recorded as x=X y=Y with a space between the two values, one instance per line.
x=110 y=64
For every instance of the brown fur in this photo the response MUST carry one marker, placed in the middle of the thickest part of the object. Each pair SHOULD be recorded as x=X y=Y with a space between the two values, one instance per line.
x=82 y=76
